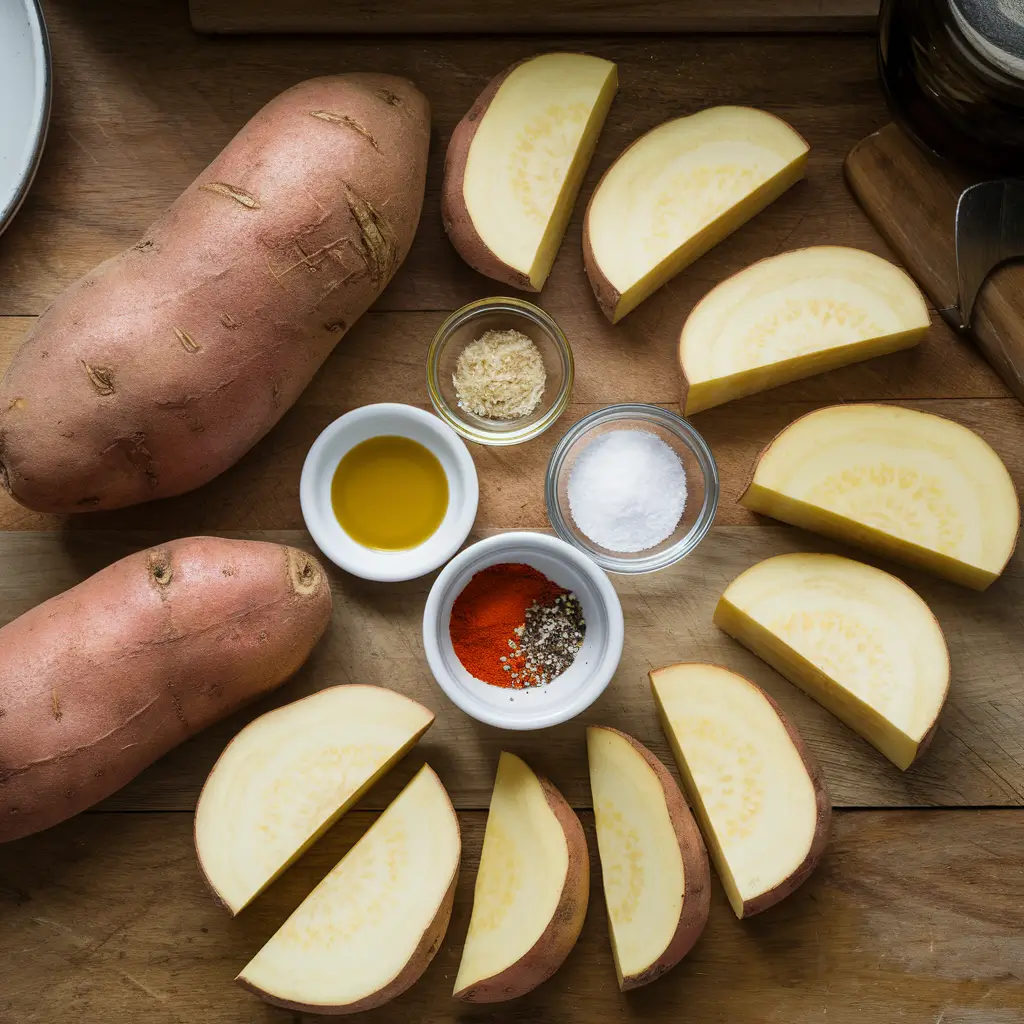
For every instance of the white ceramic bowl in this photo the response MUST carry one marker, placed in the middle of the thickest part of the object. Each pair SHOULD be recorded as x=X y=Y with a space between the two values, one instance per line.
x=374 y=421
x=24 y=100
x=573 y=691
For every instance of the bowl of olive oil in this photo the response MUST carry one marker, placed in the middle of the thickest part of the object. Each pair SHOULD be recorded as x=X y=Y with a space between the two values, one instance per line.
x=389 y=492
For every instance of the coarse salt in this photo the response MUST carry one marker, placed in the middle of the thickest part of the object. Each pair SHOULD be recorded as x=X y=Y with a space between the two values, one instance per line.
x=627 y=490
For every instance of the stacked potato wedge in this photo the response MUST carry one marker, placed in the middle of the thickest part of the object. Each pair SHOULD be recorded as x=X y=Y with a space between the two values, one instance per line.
x=371 y=927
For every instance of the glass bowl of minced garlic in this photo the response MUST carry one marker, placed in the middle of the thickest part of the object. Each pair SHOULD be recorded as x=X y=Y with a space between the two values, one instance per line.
x=499 y=371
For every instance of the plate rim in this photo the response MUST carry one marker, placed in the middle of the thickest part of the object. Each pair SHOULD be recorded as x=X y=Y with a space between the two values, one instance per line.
x=34 y=10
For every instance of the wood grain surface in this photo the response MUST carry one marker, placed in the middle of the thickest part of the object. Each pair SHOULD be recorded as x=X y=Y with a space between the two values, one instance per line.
x=123 y=145
x=913 y=916
x=911 y=197
x=404 y=16
x=976 y=759
x=142 y=104
x=382 y=360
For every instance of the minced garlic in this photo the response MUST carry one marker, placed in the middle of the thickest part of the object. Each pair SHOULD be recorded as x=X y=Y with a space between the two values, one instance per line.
x=500 y=376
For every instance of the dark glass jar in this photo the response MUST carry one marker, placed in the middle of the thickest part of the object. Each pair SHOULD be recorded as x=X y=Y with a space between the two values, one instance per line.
x=953 y=72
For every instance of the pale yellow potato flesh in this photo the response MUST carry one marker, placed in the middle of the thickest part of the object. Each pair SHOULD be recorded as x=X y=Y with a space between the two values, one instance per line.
x=530 y=152
x=683 y=187
x=747 y=782
x=794 y=315
x=641 y=863
x=357 y=931
x=916 y=487
x=523 y=868
x=857 y=639
x=289 y=775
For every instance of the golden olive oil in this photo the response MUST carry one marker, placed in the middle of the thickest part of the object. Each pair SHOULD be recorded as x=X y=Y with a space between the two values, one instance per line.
x=389 y=493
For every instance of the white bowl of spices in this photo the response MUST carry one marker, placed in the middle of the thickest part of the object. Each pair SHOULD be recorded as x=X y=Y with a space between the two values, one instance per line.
x=633 y=486
x=522 y=631
x=499 y=371
x=388 y=492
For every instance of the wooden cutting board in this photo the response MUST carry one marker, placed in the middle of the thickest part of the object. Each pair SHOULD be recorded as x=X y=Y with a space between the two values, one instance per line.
x=911 y=197
x=404 y=16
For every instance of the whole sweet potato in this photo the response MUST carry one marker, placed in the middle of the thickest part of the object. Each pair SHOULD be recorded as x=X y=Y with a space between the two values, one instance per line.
x=100 y=681
x=166 y=364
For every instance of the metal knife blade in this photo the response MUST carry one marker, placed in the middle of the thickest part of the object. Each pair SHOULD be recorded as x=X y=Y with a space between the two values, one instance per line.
x=989 y=232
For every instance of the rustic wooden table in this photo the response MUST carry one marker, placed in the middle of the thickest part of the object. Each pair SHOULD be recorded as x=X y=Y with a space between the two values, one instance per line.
x=917 y=911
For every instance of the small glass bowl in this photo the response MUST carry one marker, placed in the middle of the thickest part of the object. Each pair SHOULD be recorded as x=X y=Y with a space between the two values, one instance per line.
x=499 y=314
x=702 y=485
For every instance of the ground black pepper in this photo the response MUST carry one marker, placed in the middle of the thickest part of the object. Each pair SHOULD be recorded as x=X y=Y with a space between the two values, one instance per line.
x=547 y=643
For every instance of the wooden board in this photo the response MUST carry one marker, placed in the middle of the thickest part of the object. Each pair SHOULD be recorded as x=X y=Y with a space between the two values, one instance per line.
x=911 y=916
x=404 y=16
x=381 y=361
x=976 y=759
x=912 y=197
x=142 y=104
x=915 y=915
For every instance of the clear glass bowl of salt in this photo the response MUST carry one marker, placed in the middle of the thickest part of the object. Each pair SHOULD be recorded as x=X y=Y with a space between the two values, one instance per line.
x=633 y=486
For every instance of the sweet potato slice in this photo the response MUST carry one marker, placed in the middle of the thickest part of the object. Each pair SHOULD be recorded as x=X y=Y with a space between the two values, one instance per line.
x=657 y=885
x=794 y=315
x=858 y=640
x=908 y=484
x=757 y=792
x=678 y=191
x=516 y=162
x=291 y=774
x=531 y=890
x=371 y=927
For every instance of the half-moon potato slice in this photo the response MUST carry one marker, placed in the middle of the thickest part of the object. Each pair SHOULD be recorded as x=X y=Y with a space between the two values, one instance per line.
x=917 y=487
x=794 y=315
x=858 y=640
x=531 y=889
x=679 y=190
x=289 y=775
x=516 y=162
x=371 y=927
x=758 y=794
x=657 y=885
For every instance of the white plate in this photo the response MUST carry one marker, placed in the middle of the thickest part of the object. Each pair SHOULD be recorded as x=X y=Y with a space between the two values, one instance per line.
x=24 y=100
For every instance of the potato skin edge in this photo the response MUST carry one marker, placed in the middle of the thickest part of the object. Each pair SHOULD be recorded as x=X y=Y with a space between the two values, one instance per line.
x=557 y=940
x=696 y=871
x=423 y=954
x=458 y=224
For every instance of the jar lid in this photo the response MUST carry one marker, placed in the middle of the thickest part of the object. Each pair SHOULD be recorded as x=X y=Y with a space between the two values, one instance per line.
x=995 y=31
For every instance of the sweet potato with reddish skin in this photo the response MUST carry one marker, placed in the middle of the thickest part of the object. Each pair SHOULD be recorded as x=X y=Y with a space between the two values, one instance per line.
x=166 y=364
x=100 y=681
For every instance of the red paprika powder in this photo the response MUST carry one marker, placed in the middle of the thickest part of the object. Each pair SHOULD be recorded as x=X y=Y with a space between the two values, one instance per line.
x=487 y=613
